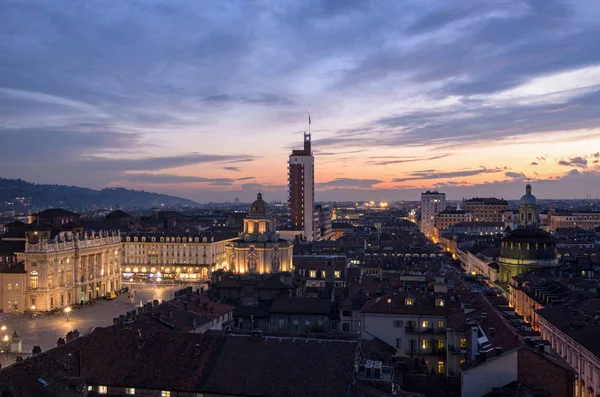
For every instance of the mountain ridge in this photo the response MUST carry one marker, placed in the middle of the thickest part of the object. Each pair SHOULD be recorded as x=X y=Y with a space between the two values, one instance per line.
x=75 y=197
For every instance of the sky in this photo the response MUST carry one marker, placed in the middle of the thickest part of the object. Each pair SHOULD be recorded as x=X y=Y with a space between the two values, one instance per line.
x=206 y=99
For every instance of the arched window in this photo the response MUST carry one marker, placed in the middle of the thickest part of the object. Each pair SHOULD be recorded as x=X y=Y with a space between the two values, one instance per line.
x=34 y=280
x=61 y=278
x=275 y=261
x=252 y=262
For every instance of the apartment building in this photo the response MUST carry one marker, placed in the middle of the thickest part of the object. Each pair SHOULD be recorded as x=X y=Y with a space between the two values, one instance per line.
x=485 y=209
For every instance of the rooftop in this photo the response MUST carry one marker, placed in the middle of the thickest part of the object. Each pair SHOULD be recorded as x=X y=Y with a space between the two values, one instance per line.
x=192 y=362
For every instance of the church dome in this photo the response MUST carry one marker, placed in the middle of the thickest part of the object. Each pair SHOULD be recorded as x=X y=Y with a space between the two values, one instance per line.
x=258 y=207
x=528 y=244
x=528 y=198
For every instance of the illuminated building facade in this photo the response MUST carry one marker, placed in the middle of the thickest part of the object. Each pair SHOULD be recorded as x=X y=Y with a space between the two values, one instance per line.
x=301 y=189
x=486 y=209
x=259 y=248
x=69 y=269
x=432 y=203
x=528 y=247
x=170 y=257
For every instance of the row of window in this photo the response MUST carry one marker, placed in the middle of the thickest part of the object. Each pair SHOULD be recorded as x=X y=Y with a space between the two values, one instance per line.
x=9 y=287
x=425 y=324
x=128 y=390
x=411 y=302
x=170 y=239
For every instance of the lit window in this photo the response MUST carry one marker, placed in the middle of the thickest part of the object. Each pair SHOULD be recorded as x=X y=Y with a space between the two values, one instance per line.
x=440 y=344
x=425 y=344
x=440 y=367
x=338 y=274
x=439 y=302
x=425 y=324
x=9 y=287
x=313 y=274
x=129 y=390
x=102 y=390
x=463 y=343
x=33 y=280
x=409 y=301
x=440 y=324
x=90 y=388
x=165 y=394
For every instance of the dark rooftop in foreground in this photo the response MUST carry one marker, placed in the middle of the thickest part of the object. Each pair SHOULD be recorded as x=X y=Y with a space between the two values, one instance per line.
x=213 y=362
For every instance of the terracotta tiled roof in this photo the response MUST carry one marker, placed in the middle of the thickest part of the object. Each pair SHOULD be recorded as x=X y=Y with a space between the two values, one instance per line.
x=423 y=304
x=285 y=304
x=272 y=367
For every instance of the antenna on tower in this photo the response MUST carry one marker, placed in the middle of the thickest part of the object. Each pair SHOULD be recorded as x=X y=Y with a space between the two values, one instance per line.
x=309 y=122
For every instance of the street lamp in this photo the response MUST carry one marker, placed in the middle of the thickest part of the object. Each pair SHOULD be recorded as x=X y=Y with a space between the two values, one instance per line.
x=3 y=328
x=67 y=310
x=32 y=311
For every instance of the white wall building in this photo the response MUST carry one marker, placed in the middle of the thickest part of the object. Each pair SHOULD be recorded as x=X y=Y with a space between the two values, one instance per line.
x=432 y=203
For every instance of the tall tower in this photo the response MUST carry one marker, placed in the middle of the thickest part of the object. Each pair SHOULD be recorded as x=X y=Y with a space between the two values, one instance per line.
x=432 y=203
x=301 y=188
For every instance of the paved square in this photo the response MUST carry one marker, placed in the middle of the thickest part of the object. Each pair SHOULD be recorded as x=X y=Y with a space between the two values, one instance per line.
x=44 y=330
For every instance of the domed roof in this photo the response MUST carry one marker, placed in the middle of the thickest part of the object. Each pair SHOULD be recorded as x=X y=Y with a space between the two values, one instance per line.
x=530 y=244
x=528 y=198
x=258 y=207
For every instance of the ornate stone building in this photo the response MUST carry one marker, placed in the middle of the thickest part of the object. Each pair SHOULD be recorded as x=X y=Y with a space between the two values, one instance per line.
x=170 y=256
x=70 y=269
x=528 y=247
x=259 y=248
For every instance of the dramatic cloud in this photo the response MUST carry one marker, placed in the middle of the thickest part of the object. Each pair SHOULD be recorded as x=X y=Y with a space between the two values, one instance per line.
x=349 y=182
x=577 y=161
x=170 y=178
x=400 y=160
x=515 y=175
x=91 y=91
x=428 y=174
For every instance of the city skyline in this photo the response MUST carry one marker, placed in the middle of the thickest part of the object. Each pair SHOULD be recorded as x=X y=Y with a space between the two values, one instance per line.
x=205 y=100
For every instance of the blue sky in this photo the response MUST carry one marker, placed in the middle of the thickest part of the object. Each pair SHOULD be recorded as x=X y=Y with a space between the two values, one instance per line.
x=205 y=99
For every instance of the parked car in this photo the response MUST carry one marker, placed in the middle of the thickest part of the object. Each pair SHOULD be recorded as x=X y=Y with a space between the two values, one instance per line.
x=110 y=295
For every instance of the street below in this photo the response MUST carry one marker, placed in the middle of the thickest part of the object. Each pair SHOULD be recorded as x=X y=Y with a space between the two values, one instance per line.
x=44 y=330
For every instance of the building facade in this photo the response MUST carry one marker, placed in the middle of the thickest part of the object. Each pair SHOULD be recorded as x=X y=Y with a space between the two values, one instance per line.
x=259 y=248
x=558 y=219
x=447 y=218
x=575 y=339
x=488 y=209
x=432 y=203
x=70 y=270
x=528 y=247
x=170 y=257
x=325 y=221
x=301 y=189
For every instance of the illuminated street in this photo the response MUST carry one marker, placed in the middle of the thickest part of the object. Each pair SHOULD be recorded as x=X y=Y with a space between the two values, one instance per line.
x=44 y=330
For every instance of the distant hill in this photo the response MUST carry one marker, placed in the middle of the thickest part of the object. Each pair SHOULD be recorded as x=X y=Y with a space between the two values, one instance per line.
x=73 y=197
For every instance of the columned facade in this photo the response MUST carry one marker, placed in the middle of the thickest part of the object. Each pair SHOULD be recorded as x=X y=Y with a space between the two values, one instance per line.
x=259 y=248
x=60 y=273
